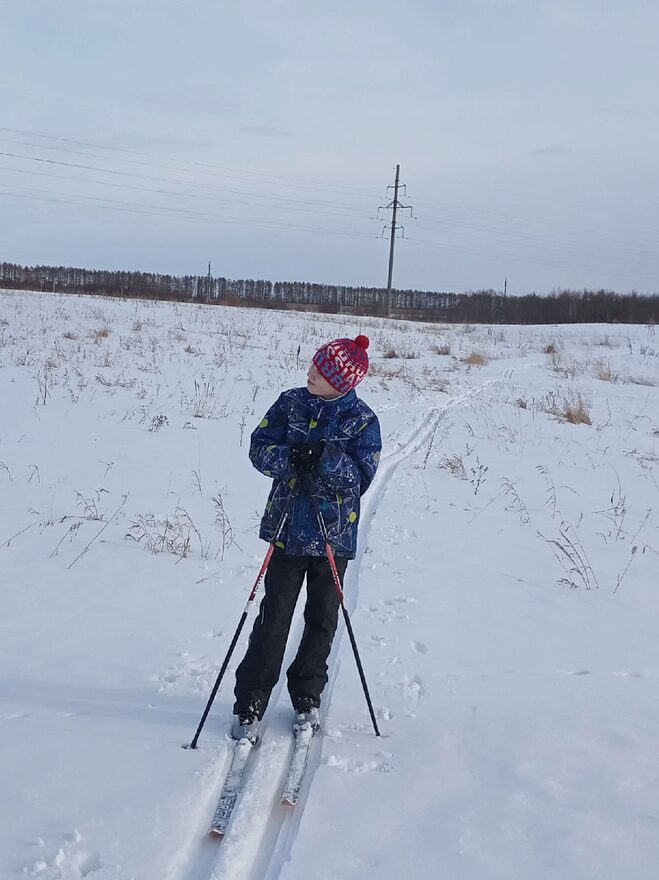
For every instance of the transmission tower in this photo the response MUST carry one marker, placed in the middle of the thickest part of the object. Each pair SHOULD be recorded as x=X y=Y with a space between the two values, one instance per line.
x=394 y=206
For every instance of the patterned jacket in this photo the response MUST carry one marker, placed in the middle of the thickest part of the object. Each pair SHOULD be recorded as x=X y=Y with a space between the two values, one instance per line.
x=351 y=452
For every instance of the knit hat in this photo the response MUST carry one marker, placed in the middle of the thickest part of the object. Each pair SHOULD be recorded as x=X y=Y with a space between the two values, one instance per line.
x=343 y=363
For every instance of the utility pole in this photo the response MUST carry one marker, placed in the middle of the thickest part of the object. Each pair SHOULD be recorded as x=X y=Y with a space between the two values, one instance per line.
x=393 y=206
x=208 y=284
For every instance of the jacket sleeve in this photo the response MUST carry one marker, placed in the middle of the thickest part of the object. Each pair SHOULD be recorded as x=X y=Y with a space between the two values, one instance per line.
x=356 y=466
x=268 y=451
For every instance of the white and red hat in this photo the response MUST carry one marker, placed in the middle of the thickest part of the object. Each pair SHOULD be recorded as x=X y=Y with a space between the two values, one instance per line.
x=343 y=363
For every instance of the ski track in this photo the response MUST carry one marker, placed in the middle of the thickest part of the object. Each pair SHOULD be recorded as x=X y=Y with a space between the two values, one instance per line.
x=262 y=832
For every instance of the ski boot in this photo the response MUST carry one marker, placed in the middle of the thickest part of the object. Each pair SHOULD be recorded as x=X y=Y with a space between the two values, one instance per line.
x=306 y=714
x=246 y=726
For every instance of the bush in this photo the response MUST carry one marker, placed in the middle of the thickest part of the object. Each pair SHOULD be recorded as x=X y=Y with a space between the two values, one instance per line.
x=441 y=349
x=475 y=359
x=604 y=372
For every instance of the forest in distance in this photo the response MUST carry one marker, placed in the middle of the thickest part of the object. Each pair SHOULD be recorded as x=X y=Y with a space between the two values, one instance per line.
x=479 y=306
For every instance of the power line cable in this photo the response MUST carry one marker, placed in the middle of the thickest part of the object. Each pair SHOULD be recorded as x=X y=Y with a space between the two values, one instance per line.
x=159 y=210
x=444 y=206
x=281 y=180
x=524 y=258
x=447 y=224
x=529 y=221
x=531 y=240
x=189 y=183
x=161 y=191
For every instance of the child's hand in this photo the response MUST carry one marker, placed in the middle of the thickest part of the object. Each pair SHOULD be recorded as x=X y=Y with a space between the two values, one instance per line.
x=305 y=457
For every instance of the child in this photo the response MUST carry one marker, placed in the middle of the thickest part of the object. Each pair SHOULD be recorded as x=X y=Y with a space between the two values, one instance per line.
x=319 y=441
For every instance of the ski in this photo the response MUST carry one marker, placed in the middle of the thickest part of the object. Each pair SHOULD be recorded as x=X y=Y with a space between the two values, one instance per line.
x=298 y=763
x=231 y=788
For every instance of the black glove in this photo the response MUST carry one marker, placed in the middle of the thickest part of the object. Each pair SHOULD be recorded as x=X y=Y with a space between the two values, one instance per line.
x=305 y=457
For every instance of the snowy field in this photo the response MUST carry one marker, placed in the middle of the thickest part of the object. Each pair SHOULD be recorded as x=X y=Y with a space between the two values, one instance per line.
x=505 y=600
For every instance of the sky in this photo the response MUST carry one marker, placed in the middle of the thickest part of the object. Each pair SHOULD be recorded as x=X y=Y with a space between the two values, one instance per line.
x=262 y=137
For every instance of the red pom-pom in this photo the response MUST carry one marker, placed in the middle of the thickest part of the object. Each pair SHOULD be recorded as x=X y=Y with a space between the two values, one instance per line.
x=362 y=341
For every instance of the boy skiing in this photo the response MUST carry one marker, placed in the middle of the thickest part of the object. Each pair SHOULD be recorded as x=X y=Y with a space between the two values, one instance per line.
x=321 y=445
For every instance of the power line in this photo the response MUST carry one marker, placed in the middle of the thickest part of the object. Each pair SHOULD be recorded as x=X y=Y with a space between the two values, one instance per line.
x=528 y=221
x=524 y=258
x=168 y=192
x=189 y=183
x=449 y=226
x=306 y=183
x=219 y=170
x=158 y=210
x=394 y=206
x=467 y=223
x=534 y=240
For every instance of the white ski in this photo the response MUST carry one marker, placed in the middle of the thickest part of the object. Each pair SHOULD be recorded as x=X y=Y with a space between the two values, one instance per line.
x=297 y=766
x=231 y=787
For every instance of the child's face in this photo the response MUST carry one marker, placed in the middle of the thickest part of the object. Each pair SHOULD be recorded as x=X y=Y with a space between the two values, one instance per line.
x=318 y=385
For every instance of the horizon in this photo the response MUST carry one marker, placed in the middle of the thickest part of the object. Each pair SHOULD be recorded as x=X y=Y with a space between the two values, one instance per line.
x=330 y=284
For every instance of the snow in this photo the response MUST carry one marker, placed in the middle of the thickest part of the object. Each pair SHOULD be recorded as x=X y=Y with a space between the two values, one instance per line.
x=505 y=601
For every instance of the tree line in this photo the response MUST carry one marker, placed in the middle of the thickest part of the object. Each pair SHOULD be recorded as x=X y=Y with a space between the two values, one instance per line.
x=480 y=306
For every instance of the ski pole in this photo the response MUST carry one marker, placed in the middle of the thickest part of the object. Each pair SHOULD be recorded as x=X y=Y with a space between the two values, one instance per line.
x=243 y=618
x=339 y=589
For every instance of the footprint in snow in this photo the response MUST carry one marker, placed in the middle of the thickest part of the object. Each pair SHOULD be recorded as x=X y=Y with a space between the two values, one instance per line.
x=413 y=688
x=388 y=609
x=355 y=765
x=192 y=676
x=69 y=861
x=420 y=648
x=214 y=634
x=379 y=641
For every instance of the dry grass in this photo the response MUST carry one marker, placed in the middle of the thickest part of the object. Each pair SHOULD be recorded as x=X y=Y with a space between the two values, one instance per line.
x=385 y=372
x=99 y=333
x=639 y=380
x=604 y=372
x=521 y=403
x=432 y=380
x=441 y=349
x=572 y=407
x=407 y=354
x=550 y=348
x=568 y=369
x=475 y=359
x=174 y=534
x=577 y=411
x=455 y=465
x=577 y=414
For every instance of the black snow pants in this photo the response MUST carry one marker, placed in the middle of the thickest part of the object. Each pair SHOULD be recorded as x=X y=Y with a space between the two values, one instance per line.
x=259 y=670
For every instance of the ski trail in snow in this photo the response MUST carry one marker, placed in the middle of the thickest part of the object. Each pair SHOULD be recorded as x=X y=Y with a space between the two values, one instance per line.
x=262 y=832
x=285 y=823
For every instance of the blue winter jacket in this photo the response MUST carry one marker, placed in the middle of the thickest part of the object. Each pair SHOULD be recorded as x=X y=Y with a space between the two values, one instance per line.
x=351 y=452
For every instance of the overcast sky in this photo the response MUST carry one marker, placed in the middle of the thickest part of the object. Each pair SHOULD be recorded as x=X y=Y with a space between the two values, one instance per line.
x=262 y=136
